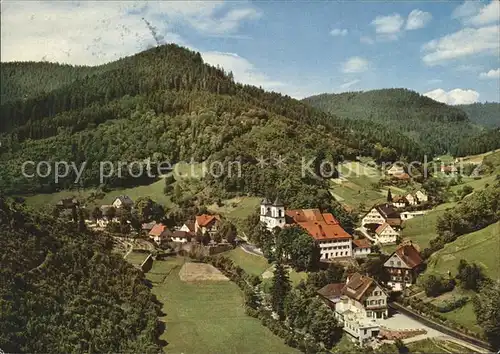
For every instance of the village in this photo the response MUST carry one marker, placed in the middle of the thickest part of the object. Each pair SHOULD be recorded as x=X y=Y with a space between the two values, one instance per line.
x=360 y=303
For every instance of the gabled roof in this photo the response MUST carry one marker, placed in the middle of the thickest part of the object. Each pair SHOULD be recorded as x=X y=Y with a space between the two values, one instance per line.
x=320 y=226
x=387 y=211
x=125 y=199
x=158 y=229
x=358 y=286
x=399 y=199
x=206 y=220
x=331 y=291
x=361 y=243
x=409 y=255
x=381 y=228
x=190 y=225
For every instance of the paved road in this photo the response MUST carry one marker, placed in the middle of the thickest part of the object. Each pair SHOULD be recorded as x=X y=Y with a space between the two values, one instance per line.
x=248 y=248
x=400 y=322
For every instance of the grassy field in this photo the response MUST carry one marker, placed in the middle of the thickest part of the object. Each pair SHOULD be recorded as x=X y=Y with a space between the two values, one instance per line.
x=154 y=190
x=236 y=209
x=136 y=258
x=250 y=263
x=208 y=317
x=480 y=247
x=436 y=346
x=422 y=229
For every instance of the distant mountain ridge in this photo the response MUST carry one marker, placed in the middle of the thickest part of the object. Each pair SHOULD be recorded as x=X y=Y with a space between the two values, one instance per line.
x=436 y=126
x=485 y=114
x=167 y=104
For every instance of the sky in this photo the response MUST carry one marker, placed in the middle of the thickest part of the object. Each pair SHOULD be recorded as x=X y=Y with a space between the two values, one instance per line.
x=447 y=50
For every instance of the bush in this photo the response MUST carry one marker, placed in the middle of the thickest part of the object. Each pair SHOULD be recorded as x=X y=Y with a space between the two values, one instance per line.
x=448 y=306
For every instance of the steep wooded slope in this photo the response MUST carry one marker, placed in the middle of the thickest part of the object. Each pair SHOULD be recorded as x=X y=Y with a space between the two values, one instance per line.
x=63 y=291
x=165 y=103
x=438 y=128
x=484 y=114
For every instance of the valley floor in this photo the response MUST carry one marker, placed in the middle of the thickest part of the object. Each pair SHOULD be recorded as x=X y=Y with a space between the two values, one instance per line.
x=207 y=316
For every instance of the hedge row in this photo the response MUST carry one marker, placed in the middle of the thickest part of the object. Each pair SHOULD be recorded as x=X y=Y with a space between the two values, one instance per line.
x=431 y=311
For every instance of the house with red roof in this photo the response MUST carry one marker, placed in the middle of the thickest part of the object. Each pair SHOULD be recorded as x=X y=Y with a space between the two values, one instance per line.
x=207 y=223
x=333 y=240
x=159 y=233
x=403 y=266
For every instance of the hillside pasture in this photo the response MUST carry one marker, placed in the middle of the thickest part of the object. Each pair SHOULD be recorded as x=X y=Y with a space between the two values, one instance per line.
x=480 y=247
x=208 y=316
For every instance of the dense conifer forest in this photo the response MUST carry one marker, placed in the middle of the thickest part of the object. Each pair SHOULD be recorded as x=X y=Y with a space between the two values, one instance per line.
x=63 y=291
x=166 y=104
x=435 y=126
x=484 y=114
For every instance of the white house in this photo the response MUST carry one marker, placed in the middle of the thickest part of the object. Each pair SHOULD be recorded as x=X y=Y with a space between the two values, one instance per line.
x=159 y=233
x=373 y=217
x=396 y=170
x=421 y=196
x=362 y=302
x=272 y=214
x=411 y=199
x=181 y=236
x=361 y=247
x=333 y=240
x=380 y=214
x=207 y=223
x=385 y=234
x=399 y=201
x=123 y=201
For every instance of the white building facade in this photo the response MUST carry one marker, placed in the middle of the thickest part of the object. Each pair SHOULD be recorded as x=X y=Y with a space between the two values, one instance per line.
x=272 y=214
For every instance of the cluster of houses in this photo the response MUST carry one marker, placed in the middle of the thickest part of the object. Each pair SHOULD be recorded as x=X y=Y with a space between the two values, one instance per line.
x=360 y=303
x=333 y=240
x=411 y=199
x=204 y=224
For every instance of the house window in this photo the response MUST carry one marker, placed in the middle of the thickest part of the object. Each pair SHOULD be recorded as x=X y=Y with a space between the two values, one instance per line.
x=368 y=314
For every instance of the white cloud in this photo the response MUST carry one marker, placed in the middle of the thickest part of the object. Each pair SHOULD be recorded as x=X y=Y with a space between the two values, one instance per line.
x=98 y=32
x=348 y=84
x=355 y=65
x=467 y=9
x=242 y=69
x=390 y=24
x=338 y=32
x=417 y=19
x=476 y=13
x=464 y=43
x=488 y=14
x=492 y=74
x=453 y=97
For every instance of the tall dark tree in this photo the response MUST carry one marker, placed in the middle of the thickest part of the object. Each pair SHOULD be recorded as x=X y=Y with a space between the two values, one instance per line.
x=389 y=196
x=280 y=287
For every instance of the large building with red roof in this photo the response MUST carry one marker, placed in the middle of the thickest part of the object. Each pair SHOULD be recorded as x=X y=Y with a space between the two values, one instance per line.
x=333 y=240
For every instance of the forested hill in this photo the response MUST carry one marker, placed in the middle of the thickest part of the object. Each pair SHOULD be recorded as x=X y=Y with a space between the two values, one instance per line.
x=167 y=104
x=436 y=126
x=484 y=114
x=63 y=291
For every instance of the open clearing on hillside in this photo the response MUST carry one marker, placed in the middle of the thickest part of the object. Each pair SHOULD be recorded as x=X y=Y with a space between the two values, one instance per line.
x=136 y=258
x=481 y=247
x=191 y=272
x=181 y=171
x=250 y=263
x=208 y=316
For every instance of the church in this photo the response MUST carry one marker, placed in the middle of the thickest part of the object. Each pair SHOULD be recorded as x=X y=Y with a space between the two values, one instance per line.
x=333 y=240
